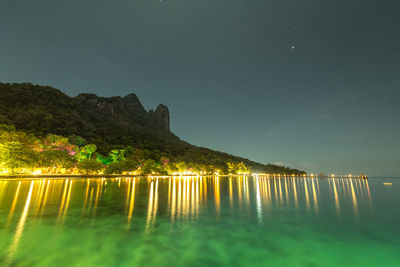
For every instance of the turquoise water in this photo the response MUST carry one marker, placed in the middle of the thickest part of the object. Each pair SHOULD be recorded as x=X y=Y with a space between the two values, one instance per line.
x=200 y=221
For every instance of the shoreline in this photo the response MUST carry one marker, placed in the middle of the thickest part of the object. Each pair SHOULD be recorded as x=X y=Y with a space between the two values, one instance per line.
x=98 y=176
x=109 y=176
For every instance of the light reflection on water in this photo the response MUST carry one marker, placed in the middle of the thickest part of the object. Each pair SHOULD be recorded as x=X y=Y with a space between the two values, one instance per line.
x=185 y=194
x=175 y=200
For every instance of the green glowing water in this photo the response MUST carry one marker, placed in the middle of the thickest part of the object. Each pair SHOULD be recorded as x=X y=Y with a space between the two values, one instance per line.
x=200 y=221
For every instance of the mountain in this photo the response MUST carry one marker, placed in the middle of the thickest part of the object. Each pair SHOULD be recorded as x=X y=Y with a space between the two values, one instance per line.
x=108 y=122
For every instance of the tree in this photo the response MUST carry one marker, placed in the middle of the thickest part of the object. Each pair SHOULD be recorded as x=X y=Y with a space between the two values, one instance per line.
x=149 y=167
x=131 y=164
x=55 y=151
x=90 y=166
x=106 y=160
x=86 y=152
x=242 y=168
x=170 y=168
x=115 y=168
x=231 y=167
x=117 y=155
x=16 y=149
x=15 y=155
x=7 y=128
x=119 y=167
x=56 y=158
x=77 y=140
x=181 y=166
x=237 y=168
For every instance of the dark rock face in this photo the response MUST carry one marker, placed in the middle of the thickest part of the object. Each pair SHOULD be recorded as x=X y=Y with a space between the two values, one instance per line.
x=122 y=110
x=161 y=117
x=132 y=103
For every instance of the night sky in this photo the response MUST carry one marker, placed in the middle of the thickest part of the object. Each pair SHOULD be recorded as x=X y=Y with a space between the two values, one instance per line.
x=313 y=85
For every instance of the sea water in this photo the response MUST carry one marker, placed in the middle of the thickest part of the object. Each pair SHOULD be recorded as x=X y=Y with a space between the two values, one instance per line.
x=200 y=221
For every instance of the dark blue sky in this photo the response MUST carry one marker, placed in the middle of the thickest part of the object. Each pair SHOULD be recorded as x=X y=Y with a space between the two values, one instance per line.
x=310 y=84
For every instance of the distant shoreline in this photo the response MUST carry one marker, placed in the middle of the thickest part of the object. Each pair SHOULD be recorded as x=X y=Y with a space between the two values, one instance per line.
x=78 y=176
x=108 y=176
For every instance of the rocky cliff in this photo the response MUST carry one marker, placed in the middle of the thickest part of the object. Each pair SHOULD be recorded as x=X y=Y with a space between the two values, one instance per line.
x=161 y=117
x=124 y=111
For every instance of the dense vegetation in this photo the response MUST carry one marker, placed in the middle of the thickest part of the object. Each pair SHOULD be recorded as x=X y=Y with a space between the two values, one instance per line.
x=23 y=153
x=116 y=134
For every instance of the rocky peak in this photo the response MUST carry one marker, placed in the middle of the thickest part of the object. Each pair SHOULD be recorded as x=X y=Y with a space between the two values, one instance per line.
x=161 y=117
x=112 y=105
x=132 y=103
x=123 y=110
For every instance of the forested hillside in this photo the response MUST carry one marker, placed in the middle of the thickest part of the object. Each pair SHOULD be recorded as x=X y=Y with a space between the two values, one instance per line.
x=115 y=123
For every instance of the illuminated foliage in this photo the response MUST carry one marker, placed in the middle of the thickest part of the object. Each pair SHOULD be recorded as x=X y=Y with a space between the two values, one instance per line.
x=21 y=153
x=117 y=155
x=242 y=168
x=164 y=161
x=90 y=166
x=15 y=155
x=118 y=167
x=77 y=140
x=181 y=166
x=231 y=167
x=103 y=159
x=148 y=167
x=56 y=159
x=237 y=168
x=16 y=150
x=86 y=152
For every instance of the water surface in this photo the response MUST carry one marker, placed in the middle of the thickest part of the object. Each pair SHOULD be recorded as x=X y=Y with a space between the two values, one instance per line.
x=200 y=221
